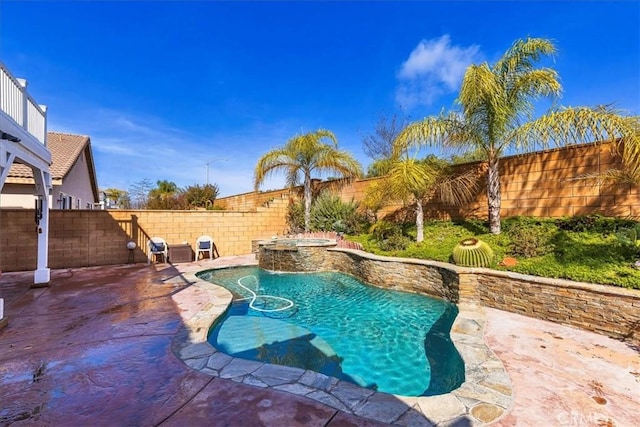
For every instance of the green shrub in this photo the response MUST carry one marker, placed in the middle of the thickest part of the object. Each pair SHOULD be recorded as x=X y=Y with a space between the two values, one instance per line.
x=382 y=230
x=629 y=236
x=330 y=213
x=295 y=217
x=528 y=238
x=389 y=236
x=395 y=242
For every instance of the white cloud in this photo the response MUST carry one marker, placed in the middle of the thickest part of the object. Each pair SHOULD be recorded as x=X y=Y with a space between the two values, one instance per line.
x=113 y=145
x=434 y=68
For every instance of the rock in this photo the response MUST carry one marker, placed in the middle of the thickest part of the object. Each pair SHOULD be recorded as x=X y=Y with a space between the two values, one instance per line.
x=486 y=413
x=508 y=262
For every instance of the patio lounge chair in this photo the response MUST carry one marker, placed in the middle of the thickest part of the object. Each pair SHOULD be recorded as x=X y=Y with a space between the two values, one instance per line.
x=158 y=246
x=205 y=244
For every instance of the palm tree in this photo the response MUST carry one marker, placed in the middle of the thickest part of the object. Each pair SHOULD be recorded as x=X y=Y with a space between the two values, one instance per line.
x=497 y=110
x=164 y=194
x=415 y=180
x=302 y=155
x=165 y=189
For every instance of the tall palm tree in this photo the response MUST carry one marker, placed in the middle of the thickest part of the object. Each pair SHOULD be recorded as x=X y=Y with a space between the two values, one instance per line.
x=413 y=180
x=302 y=155
x=497 y=110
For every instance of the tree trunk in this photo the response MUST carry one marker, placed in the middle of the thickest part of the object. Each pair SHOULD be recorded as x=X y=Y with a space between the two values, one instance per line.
x=419 y=221
x=494 y=196
x=307 y=202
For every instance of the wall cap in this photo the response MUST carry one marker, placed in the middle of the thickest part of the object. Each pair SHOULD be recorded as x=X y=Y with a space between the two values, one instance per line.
x=563 y=283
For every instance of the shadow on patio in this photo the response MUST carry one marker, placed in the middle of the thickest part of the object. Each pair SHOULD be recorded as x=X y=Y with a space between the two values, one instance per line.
x=96 y=348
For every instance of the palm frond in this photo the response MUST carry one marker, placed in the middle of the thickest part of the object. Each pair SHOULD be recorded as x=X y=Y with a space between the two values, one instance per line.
x=613 y=176
x=530 y=86
x=411 y=177
x=459 y=189
x=338 y=162
x=523 y=55
x=431 y=132
x=272 y=161
x=575 y=125
x=377 y=195
x=480 y=89
x=292 y=175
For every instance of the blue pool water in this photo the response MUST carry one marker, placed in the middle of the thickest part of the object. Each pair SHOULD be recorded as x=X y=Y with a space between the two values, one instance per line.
x=392 y=341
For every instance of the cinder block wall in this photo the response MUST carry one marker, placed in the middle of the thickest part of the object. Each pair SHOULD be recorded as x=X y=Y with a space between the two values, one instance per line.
x=541 y=184
x=545 y=185
x=81 y=238
x=253 y=200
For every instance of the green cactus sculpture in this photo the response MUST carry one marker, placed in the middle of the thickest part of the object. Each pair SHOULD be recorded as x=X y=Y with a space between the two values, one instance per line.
x=473 y=253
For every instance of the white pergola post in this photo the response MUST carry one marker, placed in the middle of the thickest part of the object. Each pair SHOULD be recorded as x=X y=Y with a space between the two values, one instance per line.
x=42 y=274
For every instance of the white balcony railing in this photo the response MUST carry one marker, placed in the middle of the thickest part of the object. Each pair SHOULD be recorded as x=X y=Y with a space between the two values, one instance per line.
x=16 y=103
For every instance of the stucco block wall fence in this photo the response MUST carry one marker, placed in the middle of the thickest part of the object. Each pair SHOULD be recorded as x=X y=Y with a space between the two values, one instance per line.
x=82 y=238
x=607 y=310
x=541 y=184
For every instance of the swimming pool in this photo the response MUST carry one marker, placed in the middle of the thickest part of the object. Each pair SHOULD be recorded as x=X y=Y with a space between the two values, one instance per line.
x=394 y=342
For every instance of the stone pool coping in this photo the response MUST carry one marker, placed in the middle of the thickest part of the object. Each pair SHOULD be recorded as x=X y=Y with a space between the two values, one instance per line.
x=484 y=397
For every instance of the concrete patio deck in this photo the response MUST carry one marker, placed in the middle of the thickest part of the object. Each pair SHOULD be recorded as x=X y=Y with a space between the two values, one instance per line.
x=96 y=348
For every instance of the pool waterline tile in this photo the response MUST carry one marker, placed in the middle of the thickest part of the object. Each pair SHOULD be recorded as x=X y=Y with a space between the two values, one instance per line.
x=467 y=334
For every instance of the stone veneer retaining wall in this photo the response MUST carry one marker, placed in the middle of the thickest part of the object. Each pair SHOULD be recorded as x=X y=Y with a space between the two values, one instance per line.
x=606 y=310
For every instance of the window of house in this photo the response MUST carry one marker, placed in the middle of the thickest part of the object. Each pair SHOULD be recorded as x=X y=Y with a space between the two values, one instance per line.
x=65 y=201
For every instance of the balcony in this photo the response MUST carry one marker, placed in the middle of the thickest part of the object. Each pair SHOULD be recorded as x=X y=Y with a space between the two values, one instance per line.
x=23 y=122
x=23 y=139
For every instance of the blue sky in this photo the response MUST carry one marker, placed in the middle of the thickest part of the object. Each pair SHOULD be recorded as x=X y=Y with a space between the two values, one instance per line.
x=163 y=88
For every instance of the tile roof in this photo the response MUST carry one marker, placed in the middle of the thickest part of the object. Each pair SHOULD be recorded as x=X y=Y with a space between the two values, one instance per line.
x=65 y=149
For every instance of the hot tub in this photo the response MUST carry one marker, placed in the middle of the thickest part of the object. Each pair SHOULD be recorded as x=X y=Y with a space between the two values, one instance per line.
x=292 y=254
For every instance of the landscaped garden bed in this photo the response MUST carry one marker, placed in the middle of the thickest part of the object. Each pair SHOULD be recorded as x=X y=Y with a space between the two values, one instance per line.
x=591 y=248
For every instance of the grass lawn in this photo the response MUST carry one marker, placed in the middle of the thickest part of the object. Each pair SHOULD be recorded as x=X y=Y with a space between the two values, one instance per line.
x=590 y=249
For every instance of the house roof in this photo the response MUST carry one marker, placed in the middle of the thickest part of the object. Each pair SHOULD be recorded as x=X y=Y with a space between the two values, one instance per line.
x=65 y=150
